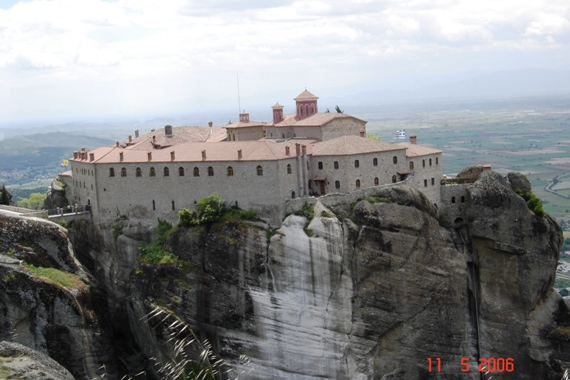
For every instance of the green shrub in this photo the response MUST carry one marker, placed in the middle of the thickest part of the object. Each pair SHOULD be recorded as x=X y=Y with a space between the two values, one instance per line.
x=308 y=211
x=62 y=223
x=211 y=208
x=325 y=214
x=188 y=218
x=533 y=202
x=60 y=277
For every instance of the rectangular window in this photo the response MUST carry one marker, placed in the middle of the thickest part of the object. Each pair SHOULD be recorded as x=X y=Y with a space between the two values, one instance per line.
x=356 y=163
x=336 y=164
x=425 y=182
x=433 y=181
x=320 y=165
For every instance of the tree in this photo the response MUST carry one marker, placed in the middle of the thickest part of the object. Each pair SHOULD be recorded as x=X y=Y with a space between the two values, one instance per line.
x=34 y=202
x=337 y=108
x=4 y=196
x=211 y=208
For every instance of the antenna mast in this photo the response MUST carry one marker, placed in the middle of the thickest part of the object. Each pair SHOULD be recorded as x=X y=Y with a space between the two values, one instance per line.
x=239 y=101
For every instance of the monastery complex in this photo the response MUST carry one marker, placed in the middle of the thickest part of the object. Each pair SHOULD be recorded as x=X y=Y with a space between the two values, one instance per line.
x=257 y=165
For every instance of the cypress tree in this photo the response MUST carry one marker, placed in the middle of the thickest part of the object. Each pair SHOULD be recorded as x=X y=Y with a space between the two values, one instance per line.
x=4 y=197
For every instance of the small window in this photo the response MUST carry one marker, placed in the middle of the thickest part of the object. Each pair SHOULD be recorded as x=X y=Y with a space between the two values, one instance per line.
x=166 y=172
x=230 y=171
x=395 y=159
x=423 y=163
x=376 y=181
x=411 y=165
x=394 y=179
x=288 y=168
x=153 y=206
x=196 y=172
x=425 y=182
x=336 y=164
x=430 y=162
x=437 y=160
x=462 y=199
x=123 y=172
x=433 y=181
x=452 y=199
x=375 y=161
x=173 y=208
x=337 y=184
x=259 y=170
x=138 y=172
x=356 y=163
x=292 y=195
x=307 y=165
x=320 y=165
x=210 y=171
x=181 y=171
x=358 y=184
x=111 y=172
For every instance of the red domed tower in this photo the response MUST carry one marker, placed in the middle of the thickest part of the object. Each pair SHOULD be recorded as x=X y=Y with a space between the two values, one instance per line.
x=306 y=105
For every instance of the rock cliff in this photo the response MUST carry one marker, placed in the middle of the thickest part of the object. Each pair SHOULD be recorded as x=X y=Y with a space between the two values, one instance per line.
x=370 y=288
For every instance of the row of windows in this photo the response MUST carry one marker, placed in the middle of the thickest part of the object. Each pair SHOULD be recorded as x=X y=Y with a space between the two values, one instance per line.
x=181 y=171
x=426 y=182
x=84 y=171
x=375 y=163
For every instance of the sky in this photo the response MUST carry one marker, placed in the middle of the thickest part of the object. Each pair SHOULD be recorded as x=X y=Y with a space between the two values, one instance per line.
x=70 y=59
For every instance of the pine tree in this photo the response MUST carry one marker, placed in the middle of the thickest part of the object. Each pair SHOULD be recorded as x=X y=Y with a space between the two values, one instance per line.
x=4 y=197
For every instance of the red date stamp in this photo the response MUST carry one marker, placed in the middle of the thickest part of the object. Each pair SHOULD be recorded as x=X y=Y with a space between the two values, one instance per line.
x=485 y=365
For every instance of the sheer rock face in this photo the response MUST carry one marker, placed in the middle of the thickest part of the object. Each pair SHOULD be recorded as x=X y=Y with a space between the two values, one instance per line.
x=21 y=362
x=54 y=318
x=370 y=296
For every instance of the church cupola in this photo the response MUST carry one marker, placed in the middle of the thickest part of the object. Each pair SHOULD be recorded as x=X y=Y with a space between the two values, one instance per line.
x=277 y=113
x=244 y=117
x=306 y=105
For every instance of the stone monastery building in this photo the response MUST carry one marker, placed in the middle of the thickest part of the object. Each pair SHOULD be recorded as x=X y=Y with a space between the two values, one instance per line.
x=257 y=165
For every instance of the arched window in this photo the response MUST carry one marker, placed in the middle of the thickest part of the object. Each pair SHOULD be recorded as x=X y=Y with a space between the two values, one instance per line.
x=166 y=172
x=411 y=165
x=452 y=199
x=152 y=172
x=288 y=168
x=376 y=181
x=430 y=162
x=336 y=164
x=356 y=163
x=423 y=163
x=395 y=160
x=111 y=172
x=394 y=179
x=210 y=171
x=292 y=195
x=358 y=184
x=375 y=161
x=337 y=184
x=196 y=172
x=259 y=170
x=181 y=171
x=123 y=172
x=138 y=172
x=230 y=171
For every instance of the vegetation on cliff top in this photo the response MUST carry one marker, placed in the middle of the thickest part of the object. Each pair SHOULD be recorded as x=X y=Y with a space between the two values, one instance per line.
x=59 y=277
x=213 y=209
x=533 y=202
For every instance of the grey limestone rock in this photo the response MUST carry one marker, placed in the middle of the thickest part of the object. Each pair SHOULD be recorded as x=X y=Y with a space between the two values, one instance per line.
x=21 y=362
x=519 y=181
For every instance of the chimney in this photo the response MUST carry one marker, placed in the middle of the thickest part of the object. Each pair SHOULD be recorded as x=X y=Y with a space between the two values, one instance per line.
x=149 y=155
x=152 y=130
x=239 y=154
x=117 y=144
x=91 y=156
x=172 y=156
x=130 y=138
x=244 y=117
x=136 y=134
x=304 y=149
x=287 y=150
x=168 y=130
x=210 y=124
x=83 y=149
x=121 y=156
x=75 y=155
x=154 y=139
x=362 y=134
x=413 y=139
x=203 y=154
x=298 y=149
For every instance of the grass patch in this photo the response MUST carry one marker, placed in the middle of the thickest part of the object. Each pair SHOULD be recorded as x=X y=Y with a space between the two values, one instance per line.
x=154 y=252
x=372 y=199
x=59 y=277
x=325 y=214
